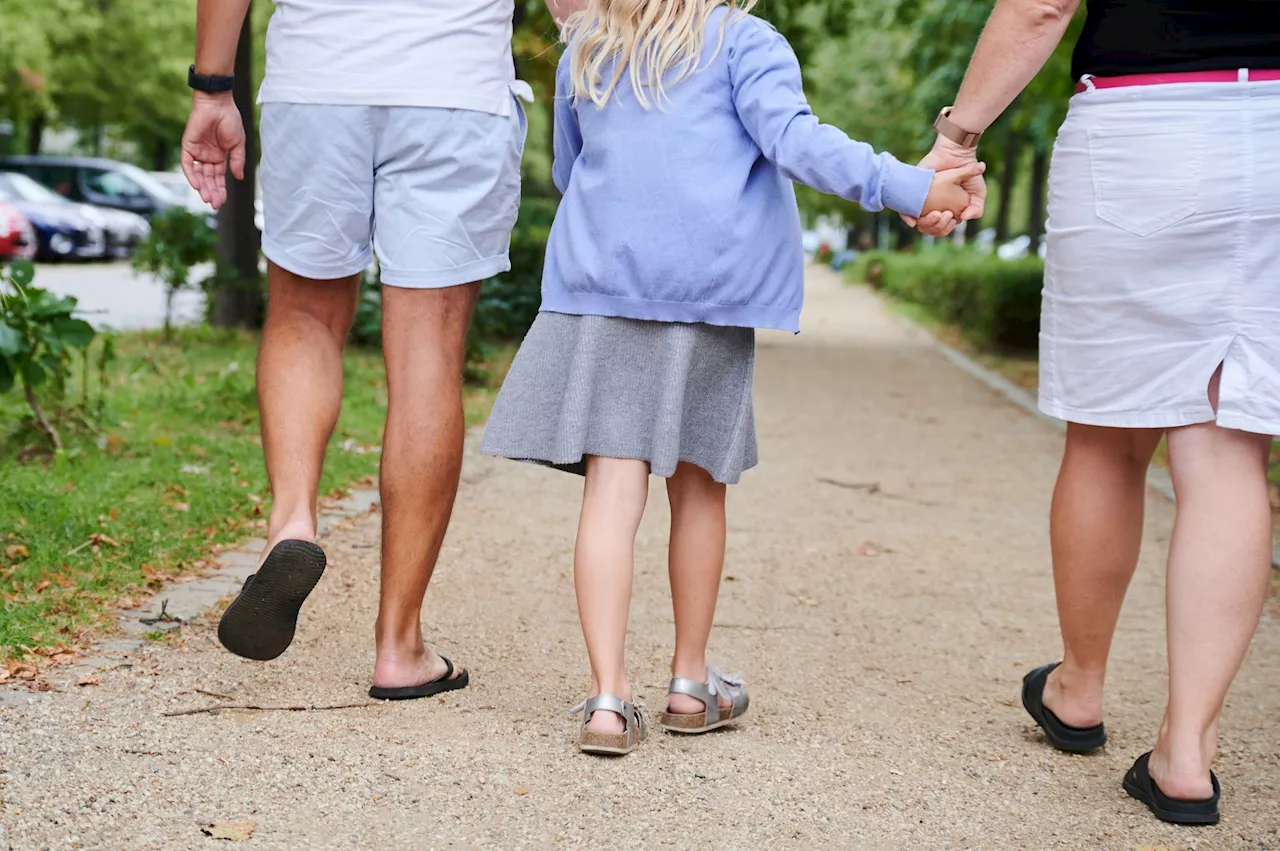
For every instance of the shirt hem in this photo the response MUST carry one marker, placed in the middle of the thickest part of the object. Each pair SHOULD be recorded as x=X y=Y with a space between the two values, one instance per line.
x=731 y=315
x=497 y=103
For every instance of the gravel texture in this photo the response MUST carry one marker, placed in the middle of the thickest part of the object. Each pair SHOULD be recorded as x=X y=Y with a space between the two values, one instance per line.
x=887 y=586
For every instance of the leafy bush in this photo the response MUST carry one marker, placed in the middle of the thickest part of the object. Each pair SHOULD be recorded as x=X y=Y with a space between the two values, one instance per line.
x=38 y=333
x=997 y=302
x=178 y=241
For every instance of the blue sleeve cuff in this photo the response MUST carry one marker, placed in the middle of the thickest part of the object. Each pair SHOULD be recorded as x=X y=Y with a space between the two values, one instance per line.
x=905 y=187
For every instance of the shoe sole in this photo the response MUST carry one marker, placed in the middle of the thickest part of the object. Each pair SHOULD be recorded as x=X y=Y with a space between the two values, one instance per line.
x=261 y=622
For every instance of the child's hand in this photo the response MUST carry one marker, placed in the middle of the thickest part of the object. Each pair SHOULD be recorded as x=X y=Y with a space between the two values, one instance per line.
x=947 y=194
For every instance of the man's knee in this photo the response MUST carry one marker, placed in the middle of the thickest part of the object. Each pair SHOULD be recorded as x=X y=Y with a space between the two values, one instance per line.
x=332 y=303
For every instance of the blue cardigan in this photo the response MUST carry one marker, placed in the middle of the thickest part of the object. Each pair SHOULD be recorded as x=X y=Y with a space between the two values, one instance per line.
x=685 y=212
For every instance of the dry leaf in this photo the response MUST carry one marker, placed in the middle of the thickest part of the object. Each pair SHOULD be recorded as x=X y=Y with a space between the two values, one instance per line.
x=806 y=601
x=869 y=549
x=522 y=790
x=41 y=585
x=181 y=506
x=89 y=680
x=234 y=832
x=17 y=551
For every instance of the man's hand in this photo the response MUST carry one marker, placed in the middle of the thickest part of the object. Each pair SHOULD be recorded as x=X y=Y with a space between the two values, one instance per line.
x=214 y=137
x=947 y=155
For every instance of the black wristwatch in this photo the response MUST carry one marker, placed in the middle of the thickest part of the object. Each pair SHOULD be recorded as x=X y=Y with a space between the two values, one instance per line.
x=213 y=84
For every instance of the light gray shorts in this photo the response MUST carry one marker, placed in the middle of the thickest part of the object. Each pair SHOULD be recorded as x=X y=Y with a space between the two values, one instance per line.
x=432 y=192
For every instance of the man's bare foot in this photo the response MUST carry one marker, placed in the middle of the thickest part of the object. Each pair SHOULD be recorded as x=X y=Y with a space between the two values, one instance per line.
x=297 y=530
x=393 y=670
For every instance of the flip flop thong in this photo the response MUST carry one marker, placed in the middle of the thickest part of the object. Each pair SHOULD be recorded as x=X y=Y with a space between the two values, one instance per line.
x=444 y=682
x=1141 y=787
x=1062 y=736
x=260 y=623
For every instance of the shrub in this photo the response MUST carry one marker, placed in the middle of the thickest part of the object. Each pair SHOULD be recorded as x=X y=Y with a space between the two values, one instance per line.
x=38 y=333
x=178 y=241
x=997 y=302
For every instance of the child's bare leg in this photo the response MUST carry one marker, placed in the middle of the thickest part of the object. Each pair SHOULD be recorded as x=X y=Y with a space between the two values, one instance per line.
x=612 y=504
x=695 y=563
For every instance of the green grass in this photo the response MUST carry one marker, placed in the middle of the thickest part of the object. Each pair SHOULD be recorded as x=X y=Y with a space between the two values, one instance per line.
x=175 y=470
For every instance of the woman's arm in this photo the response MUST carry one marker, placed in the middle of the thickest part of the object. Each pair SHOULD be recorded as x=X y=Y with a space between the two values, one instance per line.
x=1017 y=41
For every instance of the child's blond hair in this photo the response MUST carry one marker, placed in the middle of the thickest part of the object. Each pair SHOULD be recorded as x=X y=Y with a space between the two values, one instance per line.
x=645 y=39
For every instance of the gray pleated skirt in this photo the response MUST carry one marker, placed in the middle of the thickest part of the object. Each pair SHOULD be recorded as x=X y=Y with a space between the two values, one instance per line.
x=660 y=392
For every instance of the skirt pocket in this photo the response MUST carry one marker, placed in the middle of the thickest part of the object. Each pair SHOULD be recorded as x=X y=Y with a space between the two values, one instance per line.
x=1146 y=180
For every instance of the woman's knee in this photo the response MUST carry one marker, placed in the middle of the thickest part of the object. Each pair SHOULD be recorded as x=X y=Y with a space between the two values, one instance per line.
x=1127 y=448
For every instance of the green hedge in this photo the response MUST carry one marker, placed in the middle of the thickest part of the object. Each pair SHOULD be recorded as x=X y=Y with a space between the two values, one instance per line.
x=996 y=302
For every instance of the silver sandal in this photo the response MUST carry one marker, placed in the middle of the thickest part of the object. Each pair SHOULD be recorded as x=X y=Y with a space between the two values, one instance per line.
x=713 y=716
x=635 y=727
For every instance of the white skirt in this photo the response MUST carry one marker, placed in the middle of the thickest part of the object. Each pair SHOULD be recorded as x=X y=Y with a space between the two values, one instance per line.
x=1163 y=258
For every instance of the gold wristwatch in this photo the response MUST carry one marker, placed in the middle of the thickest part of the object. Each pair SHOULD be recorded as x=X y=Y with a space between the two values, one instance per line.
x=948 y=129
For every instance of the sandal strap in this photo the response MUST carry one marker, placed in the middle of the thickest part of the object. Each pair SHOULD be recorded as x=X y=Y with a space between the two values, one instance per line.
x=633 y=720
x=718 y=682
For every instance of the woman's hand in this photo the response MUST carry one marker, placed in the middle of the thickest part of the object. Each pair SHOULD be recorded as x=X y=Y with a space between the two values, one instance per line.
x=947 y=155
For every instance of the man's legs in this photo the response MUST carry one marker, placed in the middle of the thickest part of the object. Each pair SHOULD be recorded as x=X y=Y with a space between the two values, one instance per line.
x=424 y=334
x=300 y=391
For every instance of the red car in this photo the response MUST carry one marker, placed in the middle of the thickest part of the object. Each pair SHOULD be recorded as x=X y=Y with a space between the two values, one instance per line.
x=17 y=238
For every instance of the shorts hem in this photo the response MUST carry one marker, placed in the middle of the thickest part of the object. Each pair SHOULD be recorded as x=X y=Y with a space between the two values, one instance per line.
x=315 y=272
x=440 y=278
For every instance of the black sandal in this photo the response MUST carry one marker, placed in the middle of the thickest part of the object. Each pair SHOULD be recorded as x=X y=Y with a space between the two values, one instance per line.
x=1140 y=786
x=1064 y=737
x=260 y=623
x=440 y=684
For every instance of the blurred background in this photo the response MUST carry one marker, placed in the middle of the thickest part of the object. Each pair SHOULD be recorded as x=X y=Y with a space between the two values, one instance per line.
x=128 y=308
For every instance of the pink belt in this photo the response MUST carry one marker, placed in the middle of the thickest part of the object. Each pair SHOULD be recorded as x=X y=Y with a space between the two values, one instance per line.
x=1241 y=76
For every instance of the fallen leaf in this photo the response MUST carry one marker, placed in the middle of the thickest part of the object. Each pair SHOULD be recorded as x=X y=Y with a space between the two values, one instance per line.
x=522 y=790
x=234 y=832
x=89 y=680
x=806 y=601
x=18 y=551
x=41 y=585
x=163 y=440
x=181 y=506
x=869 y=549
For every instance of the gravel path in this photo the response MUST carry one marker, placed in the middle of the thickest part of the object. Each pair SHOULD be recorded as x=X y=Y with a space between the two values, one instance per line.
x=888 y=584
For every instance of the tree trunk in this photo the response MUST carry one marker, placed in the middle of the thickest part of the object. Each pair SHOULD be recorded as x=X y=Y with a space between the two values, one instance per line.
x=160 y=156
x=35 y=133
x=1008 y=176
x=237 y=298
x=1039 y=180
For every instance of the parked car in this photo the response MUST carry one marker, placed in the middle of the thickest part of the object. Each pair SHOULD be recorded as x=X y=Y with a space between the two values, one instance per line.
x=183 y=192
x=63 y=230
x=17 y=237
x=104 y=183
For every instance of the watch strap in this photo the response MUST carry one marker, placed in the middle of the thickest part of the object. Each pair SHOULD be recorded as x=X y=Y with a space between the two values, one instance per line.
x=210 y=83
x=948 y=129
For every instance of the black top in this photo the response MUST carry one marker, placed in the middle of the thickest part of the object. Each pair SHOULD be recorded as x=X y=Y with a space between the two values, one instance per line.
x=1166 y=36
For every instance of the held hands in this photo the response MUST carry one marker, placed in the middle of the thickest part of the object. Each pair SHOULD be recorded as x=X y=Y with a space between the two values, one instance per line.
x=951 y=159
x=214 y=137
x=950 y=196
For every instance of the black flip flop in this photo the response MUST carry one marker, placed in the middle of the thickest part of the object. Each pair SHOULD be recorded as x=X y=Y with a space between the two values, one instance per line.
x=1140 y=786
x=259 y=624
x=1062 y=736
x=440 y=684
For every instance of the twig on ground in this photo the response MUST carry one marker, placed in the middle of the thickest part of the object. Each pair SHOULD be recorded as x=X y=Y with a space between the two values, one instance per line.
x=873 y=489
x=216 y=694
x=253 y=707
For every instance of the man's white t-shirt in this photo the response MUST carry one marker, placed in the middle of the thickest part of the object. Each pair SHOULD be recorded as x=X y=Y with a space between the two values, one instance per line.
x=454 y=54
